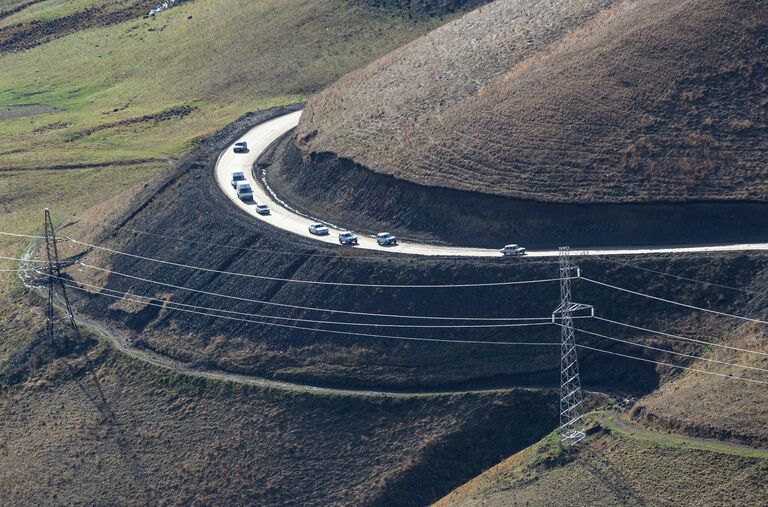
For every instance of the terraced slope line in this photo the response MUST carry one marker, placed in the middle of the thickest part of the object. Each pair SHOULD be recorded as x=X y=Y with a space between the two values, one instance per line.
x=566 y=101
x=123 y=344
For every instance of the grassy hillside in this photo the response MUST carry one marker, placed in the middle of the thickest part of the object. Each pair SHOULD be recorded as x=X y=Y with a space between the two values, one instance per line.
x=159 y=438
x=146 y=88
x=622 y=465
x=566 y=101
x=719 y=407
x=699 y=439
x=716 y=407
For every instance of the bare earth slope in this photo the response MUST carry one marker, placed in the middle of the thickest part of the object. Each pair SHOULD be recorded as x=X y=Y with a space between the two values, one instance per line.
x=567 y=101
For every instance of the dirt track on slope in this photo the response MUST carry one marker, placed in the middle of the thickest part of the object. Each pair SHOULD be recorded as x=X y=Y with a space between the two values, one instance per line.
x=124 y=344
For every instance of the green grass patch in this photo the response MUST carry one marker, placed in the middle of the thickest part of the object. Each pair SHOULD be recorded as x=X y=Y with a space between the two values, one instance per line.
x=223 y=58
x=608 y=420
x=44 y=11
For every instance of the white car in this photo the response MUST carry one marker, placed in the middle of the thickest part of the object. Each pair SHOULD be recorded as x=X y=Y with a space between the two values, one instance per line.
x=318 y=230
x=513 y=250
x=237 y=177
x=347 y=238
x=262 y=209
x=240 y=147
x=244 y=191
x=385 y=239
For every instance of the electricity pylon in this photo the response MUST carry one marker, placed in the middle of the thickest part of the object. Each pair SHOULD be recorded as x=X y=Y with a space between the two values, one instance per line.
x=53 y=279
x=571 y=409
x=53 y=270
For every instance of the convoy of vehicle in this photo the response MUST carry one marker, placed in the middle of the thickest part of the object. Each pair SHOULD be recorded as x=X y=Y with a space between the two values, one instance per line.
x=245 y=193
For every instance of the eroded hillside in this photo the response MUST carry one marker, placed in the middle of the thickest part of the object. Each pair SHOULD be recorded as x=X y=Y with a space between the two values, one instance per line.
x=567 y=101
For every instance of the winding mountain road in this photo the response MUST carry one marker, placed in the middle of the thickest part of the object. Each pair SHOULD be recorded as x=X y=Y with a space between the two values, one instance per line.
x=284 y=217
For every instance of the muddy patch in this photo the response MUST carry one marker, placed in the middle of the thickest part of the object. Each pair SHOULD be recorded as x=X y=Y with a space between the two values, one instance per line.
x=23 y=36
x=174 y=113
x=13 y=112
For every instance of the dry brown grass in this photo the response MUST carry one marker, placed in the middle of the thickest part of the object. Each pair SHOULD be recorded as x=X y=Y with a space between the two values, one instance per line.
x=618 y=468
x=587 y=101
x=717 y=407
x=181 y=441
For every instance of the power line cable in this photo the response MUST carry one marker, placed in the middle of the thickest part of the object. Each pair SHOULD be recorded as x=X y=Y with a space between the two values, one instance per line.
x=472 y=342
x=690 y=356
x=678 y=337
x=317 y=330
x=748 y=319
x=313 y=321
x=310 y=282
x=11 y=234
x=678 y=277
x=298 y=307
x=310 y=308
x=733 y=377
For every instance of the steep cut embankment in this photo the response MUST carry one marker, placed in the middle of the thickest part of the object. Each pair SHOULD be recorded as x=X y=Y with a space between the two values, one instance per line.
x=568 y=101
x=342 y=192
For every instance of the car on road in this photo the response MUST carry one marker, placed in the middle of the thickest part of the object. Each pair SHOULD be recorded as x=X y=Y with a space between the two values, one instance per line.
x=244 y=191
x=318 y=230
x=347 y=238
x=237 y=177
x=240 y=147
x=262 y=209
x=512 y=250
x=385 y=239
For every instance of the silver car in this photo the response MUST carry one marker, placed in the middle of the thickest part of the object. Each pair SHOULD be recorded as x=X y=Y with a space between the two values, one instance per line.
x=512 y=250
x=347 y=238
x=244 y=191
x=237 y=177
x=385 y=239
x=318 y=230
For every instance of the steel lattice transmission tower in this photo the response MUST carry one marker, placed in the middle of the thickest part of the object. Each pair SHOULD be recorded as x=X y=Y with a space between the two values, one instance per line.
x=53 y=270
x=571 y=409
x=53 y=279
